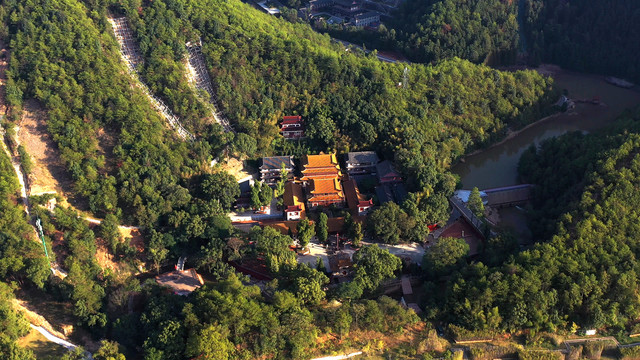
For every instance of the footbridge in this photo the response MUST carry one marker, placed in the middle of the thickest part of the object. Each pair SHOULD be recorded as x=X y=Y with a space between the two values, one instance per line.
x=508 y=195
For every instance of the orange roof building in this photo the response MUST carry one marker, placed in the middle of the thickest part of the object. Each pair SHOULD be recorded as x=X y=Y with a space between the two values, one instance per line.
x=325 y=192
x=358 y=203
x=321 y=166
x=293 y=201
x=321 y=175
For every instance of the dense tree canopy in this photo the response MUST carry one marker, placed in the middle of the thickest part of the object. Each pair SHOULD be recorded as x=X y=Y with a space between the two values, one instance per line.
x=585 y=269
x=432 y=30
x=598 y=36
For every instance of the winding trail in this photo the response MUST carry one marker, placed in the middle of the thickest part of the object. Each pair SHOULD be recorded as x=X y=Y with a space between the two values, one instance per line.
x=130 y=54
x=98 y=222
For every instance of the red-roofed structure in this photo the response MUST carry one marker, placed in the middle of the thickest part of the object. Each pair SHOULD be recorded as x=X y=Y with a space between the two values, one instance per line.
x=292 y=127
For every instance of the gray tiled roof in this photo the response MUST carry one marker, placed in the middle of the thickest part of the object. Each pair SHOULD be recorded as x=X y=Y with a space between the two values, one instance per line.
x=362 y=157
x=275 y=162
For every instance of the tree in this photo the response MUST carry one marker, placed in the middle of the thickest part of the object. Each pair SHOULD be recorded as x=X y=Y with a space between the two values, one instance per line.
x=274 y=247
x=210 y=343
x=109 y=350
x=373 y=265
x=25 y=159
x=255 y=196
x=221 y=186
x=357 y=234
x=320 y=265
x=77 y=353
x=445 y=256
x=306 y=230
x=108 y=230
x=475 y=203
x=308 y=284
x=10 y=350
x=266 y=195
x=245 y=145
x=284 y=177
x=323 y=229
x=387 y=223
x=157 y=249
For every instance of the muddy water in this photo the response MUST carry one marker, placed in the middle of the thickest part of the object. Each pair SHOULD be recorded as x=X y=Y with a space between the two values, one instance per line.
x=497 y=166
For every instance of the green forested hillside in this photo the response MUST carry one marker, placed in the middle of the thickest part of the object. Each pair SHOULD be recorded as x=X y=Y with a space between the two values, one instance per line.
x=74 y=70
x=428 y=30
x=264 y=67
x=21 y=257
x=431 y=30
x=585 y=271
x=597 y=36
x=63 y=53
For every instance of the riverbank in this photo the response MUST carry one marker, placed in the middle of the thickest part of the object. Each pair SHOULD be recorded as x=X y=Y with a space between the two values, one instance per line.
x=510 y=135
x=496 y=165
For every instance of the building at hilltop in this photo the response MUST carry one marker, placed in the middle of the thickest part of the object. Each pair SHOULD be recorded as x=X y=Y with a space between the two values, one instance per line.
x=325 y=192
x=366 y=19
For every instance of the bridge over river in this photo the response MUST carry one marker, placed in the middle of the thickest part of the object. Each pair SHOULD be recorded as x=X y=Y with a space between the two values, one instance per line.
x=508 y=195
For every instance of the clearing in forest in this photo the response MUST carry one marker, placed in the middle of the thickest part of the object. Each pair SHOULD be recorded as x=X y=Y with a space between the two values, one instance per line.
x=237 y=168
x=48 y=174
x=41 y=347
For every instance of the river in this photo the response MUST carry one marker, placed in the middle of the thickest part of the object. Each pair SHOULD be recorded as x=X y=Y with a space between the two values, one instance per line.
x=498 y=165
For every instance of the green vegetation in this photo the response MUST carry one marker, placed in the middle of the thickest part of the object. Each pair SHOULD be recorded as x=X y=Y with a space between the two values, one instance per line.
x=264 y=67
x=306 y=230
x=584 y=269
x=21 y=255
x=21 y=259
x=597 y=36
x=445 y=256
x=475 y=203
x=432 y=30
x=74 y=70
x=393 y=224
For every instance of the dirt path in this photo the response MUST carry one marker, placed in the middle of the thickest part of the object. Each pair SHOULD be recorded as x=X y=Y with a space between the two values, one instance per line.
x=49 y=174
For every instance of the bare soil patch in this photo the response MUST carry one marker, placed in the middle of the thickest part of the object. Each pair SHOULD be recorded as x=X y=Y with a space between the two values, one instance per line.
x=137 y=240
x=237 y=168
x=41 y=347
x=49 y=174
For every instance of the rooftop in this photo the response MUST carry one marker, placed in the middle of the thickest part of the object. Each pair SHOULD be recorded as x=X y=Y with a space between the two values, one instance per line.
x=326 y=186
x=386 y=168
x=291 y=119
x=292 y=197
x=319 y=161
x=362 y=157
x=276 y=162
x=367 y=15
x=354 y=198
